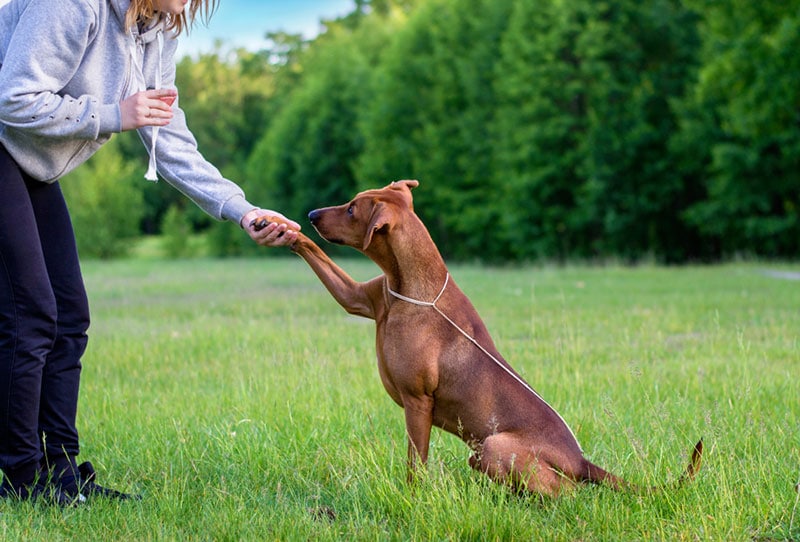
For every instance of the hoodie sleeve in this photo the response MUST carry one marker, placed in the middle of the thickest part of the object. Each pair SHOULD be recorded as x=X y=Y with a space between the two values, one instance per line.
x=180 y=163
x=44 y=53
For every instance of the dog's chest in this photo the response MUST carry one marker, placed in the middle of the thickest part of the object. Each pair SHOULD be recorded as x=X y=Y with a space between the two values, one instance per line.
x=409 y=356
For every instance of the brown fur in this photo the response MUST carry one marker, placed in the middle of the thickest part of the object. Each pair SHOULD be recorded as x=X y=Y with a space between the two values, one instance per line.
x=429 y=367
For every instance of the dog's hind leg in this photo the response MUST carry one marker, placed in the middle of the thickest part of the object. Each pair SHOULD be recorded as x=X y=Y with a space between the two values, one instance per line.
x=506 y=459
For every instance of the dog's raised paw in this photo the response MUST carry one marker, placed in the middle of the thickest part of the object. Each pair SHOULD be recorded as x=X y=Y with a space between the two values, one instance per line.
x=260 y=223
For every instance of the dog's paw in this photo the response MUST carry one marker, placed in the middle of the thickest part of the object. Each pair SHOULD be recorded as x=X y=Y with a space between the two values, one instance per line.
x=262 y=222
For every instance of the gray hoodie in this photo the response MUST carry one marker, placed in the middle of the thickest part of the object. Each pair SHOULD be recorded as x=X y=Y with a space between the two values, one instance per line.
x=64 y=67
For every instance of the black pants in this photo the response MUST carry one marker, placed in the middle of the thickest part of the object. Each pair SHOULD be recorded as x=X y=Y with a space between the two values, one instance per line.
x=44 y=315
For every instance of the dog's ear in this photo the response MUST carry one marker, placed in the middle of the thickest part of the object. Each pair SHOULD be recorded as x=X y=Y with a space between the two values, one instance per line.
x=378 y=220
x=406 y=183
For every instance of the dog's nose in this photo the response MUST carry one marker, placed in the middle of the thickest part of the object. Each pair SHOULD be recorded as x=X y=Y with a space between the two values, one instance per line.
x=313 y=216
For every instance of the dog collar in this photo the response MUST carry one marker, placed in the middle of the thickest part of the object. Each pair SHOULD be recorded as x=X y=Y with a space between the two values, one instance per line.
x=416 y=301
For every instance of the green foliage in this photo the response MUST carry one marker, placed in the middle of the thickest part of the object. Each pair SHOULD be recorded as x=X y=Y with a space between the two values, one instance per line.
x=104 y=203
x=748 y=86
x=583 y=126
x=225 y=97
x=176 y=230
x=304 y=159
x=539 y=124
x=429 y=117
x=539 y=129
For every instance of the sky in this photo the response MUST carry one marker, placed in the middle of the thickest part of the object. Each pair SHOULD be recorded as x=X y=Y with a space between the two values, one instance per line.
x=243 y=23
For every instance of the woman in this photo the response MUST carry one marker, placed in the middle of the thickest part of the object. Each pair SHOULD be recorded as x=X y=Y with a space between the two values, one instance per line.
x=72 y=73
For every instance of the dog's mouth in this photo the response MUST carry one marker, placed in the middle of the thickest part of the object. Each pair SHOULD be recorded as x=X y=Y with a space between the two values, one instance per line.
x=314 y=217
x=334 y=240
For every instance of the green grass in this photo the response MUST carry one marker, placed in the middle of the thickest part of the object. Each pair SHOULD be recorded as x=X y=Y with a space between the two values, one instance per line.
x=244 y=404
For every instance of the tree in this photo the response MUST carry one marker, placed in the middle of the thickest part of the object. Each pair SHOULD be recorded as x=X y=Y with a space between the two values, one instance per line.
x=583 y=127
x=747 y=91
x=539 y=129
x=104 y=203
x=432 y=104
x=226 y=98
x=539 y=124
x=305 y=158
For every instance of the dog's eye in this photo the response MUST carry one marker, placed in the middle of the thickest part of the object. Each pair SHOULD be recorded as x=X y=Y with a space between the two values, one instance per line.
x=351 y=209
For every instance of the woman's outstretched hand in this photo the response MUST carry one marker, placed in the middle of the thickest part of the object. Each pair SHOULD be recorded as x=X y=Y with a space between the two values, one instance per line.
x=270 y=229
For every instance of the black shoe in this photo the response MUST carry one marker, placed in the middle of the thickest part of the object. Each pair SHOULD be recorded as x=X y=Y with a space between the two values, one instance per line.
x=91 y=489
x=19 y=488
x=64 y=493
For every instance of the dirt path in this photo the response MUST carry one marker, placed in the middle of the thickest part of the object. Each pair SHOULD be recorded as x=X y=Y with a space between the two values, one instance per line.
x=785 y=275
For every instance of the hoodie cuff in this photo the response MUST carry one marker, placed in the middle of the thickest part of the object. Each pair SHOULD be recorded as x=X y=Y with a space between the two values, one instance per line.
x=110 y=120
x=235 y=208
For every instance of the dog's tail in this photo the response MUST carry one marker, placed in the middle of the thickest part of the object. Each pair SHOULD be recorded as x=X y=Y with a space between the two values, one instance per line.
x=598 y=475
x=694 y=464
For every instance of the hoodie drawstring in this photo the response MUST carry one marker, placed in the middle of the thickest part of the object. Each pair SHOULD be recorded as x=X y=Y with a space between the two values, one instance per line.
x=151 y=169
x=139 y=85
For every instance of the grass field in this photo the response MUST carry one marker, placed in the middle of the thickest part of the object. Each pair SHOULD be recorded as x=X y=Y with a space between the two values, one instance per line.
x=244 y=404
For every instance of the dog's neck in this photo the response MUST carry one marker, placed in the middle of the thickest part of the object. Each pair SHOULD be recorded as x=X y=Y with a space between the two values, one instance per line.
x=410 y=259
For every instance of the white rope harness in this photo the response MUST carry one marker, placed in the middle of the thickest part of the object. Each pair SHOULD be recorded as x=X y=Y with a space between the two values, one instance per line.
x=432 y=304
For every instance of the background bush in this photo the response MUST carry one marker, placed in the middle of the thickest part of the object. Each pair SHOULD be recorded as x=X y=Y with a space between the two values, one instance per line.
x=105 y=205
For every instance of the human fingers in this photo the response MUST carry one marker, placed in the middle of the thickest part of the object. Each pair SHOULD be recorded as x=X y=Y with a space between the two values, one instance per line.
x=140 y=110
x=271 y=234
x=279 y=236
x=267 y=215
x=260 y=218
x=166 y=95
x=160 y=102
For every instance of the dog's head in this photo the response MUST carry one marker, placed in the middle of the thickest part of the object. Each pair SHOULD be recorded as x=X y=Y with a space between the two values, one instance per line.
x=371 y=212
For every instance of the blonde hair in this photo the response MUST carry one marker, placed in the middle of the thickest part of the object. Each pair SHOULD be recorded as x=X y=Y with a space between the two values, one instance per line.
x=144 y=10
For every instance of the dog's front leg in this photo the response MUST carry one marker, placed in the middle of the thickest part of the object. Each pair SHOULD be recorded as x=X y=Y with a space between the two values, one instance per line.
x=345 y=290
x=419 y=419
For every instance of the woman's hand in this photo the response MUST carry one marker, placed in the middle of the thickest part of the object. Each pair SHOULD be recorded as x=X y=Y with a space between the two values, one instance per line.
x=279 y=232
x=147 y=108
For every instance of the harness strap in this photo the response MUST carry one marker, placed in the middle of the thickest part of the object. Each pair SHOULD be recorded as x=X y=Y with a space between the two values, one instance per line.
x=471 y=339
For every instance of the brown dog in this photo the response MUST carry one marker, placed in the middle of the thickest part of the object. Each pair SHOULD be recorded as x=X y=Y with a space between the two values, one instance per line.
x=435 y=356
